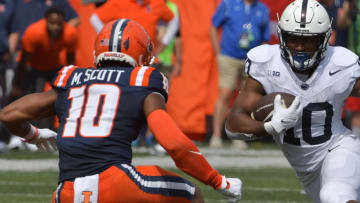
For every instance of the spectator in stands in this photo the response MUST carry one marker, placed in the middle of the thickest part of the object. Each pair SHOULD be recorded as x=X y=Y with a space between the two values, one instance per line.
x=147 y=13
x=28 y=12
x=342 y=13
x=352 y=104
x=41 y=46
x=40 y=60
x=6 y=12
x=245 y=24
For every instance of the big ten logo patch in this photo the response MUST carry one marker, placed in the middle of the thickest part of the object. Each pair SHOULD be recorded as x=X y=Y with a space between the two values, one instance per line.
x=273 y=73
x=86 y=196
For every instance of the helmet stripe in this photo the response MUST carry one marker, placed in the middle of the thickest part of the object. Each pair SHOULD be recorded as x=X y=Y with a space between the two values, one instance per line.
x=303 y=13
x=122 y=28
x=112 y=35
x=117 y=35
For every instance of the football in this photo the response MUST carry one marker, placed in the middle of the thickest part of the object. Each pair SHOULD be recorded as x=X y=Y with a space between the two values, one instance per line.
x=263 y=109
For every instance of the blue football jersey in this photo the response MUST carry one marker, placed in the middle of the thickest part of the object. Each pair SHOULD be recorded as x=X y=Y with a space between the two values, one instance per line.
x=101 y=113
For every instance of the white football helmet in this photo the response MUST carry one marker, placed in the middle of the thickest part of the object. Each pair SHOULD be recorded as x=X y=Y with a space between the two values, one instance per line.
x=304 y=18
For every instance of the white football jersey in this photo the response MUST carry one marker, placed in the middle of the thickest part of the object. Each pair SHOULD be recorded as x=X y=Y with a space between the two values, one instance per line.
x=322 y=96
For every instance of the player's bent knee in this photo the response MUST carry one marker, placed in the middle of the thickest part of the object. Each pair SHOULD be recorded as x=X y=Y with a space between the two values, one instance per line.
x=337 y=192
x=198 y=195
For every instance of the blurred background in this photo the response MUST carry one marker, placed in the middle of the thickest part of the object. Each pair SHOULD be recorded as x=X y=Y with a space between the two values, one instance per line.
x=201 y=46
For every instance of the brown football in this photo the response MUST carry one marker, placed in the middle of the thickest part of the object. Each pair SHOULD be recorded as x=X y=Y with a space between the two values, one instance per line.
x=263 y=109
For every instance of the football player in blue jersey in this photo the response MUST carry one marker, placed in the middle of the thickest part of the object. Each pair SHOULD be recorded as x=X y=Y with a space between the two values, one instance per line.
x=323 y=152
x=101 y=111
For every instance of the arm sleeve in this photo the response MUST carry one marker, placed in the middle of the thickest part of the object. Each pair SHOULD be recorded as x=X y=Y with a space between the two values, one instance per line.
x=181 y=149
x=220 y=14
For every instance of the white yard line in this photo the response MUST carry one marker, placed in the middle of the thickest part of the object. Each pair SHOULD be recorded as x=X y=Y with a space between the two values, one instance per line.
x=218 y=158
x=165 y=161
x=17 y=194
x=32 y=183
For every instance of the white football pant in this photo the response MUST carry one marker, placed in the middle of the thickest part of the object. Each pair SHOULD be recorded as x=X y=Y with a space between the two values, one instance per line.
x=338 y=178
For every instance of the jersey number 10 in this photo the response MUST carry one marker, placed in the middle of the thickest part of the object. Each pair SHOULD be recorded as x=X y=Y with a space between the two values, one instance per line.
x=306 y=125
x=93 y=112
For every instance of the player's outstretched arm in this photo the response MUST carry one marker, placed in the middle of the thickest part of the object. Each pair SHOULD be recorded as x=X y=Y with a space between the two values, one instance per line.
x=16 y=115
x=183 y=151
x=239 y=124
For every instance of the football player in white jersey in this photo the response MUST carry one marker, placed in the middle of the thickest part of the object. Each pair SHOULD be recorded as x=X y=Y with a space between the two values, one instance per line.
x=324 y=154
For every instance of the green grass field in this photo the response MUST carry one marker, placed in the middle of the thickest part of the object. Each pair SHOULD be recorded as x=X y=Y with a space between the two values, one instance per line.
x=260 y=185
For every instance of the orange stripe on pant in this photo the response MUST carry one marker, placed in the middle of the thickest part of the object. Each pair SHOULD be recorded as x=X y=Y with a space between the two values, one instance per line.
x=116 y=186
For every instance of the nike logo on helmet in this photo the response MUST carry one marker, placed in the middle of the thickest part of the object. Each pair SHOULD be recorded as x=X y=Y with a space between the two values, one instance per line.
x=333 y=73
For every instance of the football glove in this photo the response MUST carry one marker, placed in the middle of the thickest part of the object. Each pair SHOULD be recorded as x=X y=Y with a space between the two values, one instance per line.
x=44 y=139
x=283 y=118
x=231 y=189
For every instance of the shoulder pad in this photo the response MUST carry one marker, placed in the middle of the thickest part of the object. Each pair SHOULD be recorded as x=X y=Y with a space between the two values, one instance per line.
x=159 y=82
x=140 y=76
x=262 y=53
x=343 y=57
x=150 y=78
x=62 y=76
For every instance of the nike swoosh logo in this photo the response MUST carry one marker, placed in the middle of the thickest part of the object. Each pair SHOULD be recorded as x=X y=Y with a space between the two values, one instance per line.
x=333 y=73
x=329 y=150
x=198 y=153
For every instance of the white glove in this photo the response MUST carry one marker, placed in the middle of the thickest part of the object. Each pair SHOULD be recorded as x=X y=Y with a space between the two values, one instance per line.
x=283 y=118
x=231 y=189
x=44 y=139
